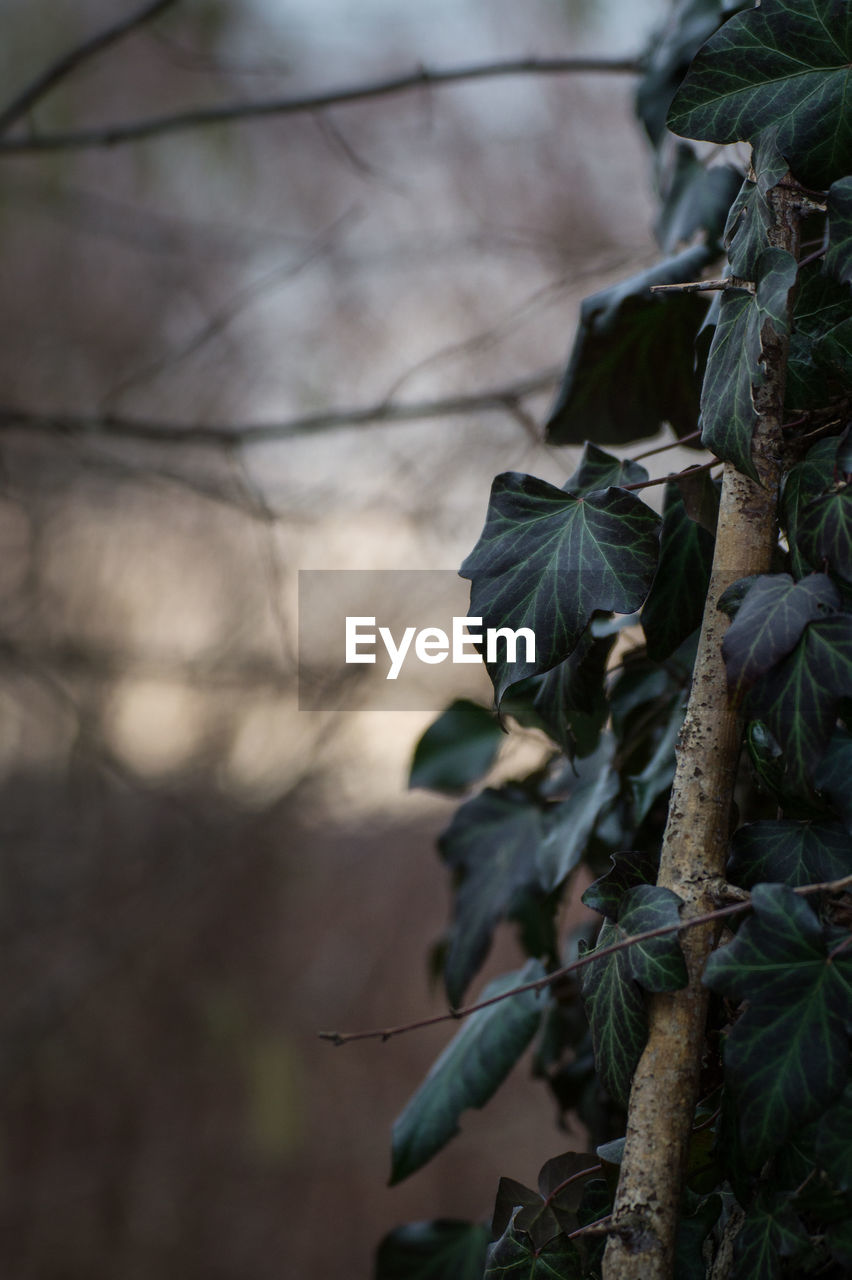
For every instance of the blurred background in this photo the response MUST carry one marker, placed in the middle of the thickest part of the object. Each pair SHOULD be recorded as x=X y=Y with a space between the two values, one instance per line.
x=195 y=876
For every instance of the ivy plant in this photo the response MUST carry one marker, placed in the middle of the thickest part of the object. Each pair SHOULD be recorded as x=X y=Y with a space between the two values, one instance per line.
x=693 y=677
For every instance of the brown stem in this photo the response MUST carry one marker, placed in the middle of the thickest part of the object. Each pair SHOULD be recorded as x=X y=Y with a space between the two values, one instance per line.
x=665 y=1086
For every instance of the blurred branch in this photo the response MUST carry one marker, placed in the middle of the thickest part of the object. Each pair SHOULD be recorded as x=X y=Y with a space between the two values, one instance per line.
x=201 y=117
x=116 y=427
x=69 y=62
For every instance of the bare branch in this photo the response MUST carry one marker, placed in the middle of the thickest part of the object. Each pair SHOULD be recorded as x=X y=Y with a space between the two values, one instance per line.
x=707 y=917
x=69 y=62
x=675 y=475
x=116 y=427
x=228 y=113
x=704 y=286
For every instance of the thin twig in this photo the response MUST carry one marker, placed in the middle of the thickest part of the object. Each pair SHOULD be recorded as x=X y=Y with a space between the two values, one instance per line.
x=200 y=117
x=675 y=475
x=116 y=427
x=386 y=1033
x=661 y=448
x=69 y=62
x=703 y=286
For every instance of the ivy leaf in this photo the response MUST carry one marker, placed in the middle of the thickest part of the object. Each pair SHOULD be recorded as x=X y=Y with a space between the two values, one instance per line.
x=834 y=1141
x=832 y=776
x=804 y=482
x=615 y=1008
x=785 y=64
x=797 y=853
x=692 y=1231
x=838 y=259
x=824 y=534
x=770 y=621
x=734 y=370
x=611 y=986
x=697 y=199
x=594 y=783
x=817 y=357
x=786 y=1057
x=798 y=699
x=527 y=1209
x=658 y=773
x=668 y=58
x=457 y=748
x=601 y=470
x=469 y=1071
x=770 y=1232
x=749 y=220
x=491 y=846
x=547 y=560
x=632 y=366
x=605 y=894
x=655 y=963
x=675 y=603
x=569 y=702
x=440 y=1250
x=514 y=1257
x=700 y=495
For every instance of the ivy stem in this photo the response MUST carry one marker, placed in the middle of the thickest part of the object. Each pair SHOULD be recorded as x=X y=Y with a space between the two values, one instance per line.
x=665 y=1085
x=597 y=953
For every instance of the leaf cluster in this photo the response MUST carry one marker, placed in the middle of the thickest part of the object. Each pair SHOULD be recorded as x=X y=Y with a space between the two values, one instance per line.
x=615 y=593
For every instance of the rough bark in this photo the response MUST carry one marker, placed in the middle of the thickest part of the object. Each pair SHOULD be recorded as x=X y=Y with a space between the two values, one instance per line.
x=665 y=1087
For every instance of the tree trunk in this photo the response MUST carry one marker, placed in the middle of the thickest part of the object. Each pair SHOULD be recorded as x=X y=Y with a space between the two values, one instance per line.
x=665 y=1088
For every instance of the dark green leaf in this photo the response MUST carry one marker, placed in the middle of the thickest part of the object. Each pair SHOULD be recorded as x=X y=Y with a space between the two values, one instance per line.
x=798 y=699
x=633 y=362
x=457 y=749
x=804 y=482
x=611 y=986
x=817 y=357
x=786 y=1057
x=600 y=470
x=492 y=847
x=655 y=963
x=668 y=58
x=692 y=1231
x=676 y=601
x=593 y=784
x=656 y=777
x=628 y=869
x=785 y=64
x=700 y=495
x=439 y=1250
x=770 y=621
x=833 y=775
x=615 y=1008
x=834 y=1141
x=527 y=1209
x=771 y=1231
x=471 y=1068
x=839 y=1238
x=569 y=702
x=697 y=199
x=824 y=534
x=547 y=560
x=734 y=368
x=514 y=1257
x=795 y=853
x=747 y=229
x=838 y=259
